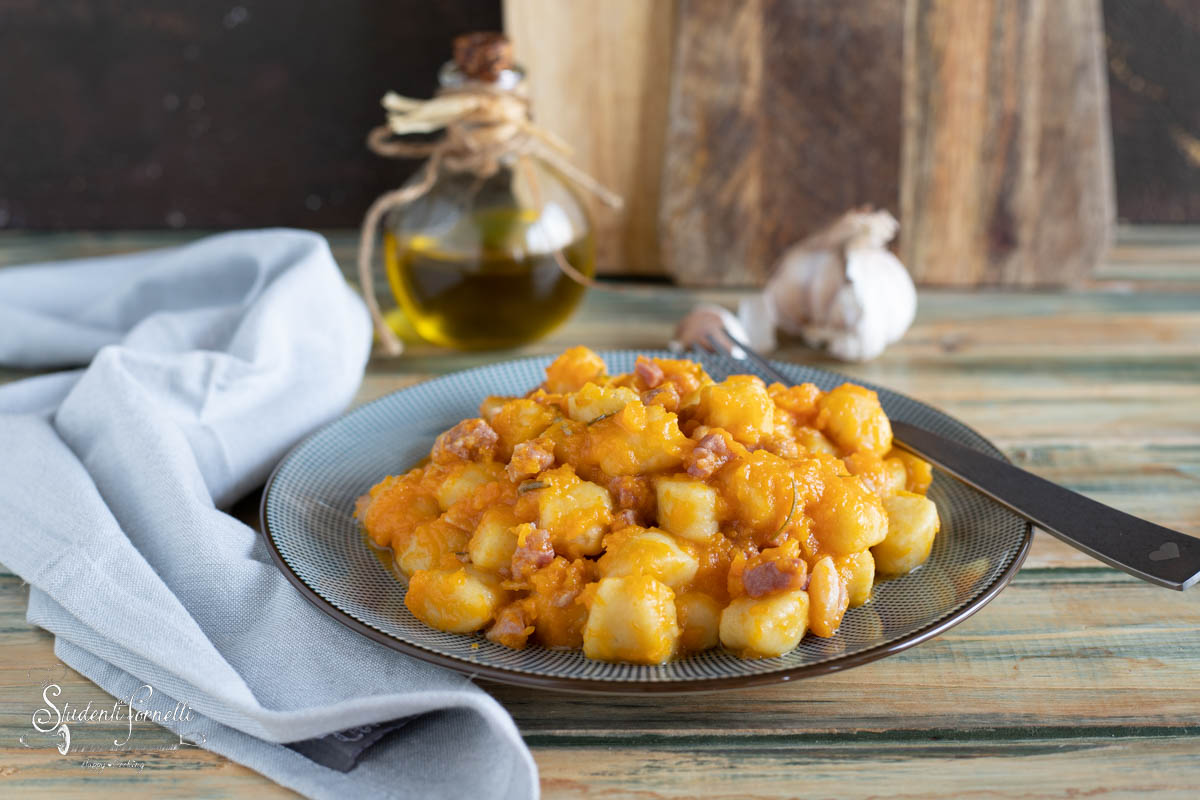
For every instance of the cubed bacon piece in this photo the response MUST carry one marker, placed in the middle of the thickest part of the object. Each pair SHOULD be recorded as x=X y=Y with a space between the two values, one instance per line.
x=631 y=491
x=665 y=395
x=651 y=374
x=529 y=459
x=710 y=454
x=512 y=627
x=469 y=440
x=624 y=519
x=775 y=576
x=534 y=551
x=782 y=443
x=634 y=494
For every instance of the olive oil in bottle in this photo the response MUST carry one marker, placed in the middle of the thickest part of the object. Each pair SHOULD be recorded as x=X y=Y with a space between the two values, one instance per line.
x=483 y=252
x=490 y=278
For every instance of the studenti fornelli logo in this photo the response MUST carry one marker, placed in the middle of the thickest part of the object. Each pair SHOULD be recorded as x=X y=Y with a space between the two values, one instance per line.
x=65 y=725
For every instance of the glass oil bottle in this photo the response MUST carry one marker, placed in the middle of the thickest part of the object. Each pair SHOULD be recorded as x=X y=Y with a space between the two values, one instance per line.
x=474 y=262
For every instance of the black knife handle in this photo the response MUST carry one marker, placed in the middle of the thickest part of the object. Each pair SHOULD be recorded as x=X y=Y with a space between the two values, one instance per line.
x=1151 y=552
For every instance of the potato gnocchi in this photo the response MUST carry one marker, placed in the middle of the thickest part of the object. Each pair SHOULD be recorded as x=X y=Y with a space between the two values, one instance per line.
x=644 y=516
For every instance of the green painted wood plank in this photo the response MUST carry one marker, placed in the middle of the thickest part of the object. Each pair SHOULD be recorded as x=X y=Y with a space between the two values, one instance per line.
x=1082 y=768
x=1057 y=648
x=1095 y=389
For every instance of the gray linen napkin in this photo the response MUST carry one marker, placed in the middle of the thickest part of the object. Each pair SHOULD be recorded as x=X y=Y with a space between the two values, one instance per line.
x=205 y=364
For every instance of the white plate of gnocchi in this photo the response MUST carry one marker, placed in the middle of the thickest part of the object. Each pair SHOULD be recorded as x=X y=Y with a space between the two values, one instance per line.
x=637 y=522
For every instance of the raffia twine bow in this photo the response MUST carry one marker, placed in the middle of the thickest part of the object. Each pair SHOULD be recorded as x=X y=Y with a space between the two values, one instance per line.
x=485 y=127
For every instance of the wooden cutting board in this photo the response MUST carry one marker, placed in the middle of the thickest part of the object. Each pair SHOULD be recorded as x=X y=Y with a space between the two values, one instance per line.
x=598 y=78
x=782 y=115
x=1007 y=164
x=982 y=124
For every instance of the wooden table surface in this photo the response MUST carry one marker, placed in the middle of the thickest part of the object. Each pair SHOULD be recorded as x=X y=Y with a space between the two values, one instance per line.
x=1077 y=681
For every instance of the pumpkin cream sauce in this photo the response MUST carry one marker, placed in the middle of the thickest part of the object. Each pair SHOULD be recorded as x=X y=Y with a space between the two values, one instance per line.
x=643 y=516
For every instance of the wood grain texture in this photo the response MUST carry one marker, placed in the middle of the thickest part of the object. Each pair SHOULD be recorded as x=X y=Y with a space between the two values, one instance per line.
x=782 y=116
x=1077 y=681
x=929 y=768
x=1006 y=174
x=598 y=78
x=1143 y=257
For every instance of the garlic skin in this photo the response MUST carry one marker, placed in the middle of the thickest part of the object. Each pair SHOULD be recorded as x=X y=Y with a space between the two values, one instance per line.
x=840 y=289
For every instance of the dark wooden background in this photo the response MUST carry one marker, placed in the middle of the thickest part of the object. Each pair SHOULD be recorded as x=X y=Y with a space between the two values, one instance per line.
x=141 y=114
x=1154 y=95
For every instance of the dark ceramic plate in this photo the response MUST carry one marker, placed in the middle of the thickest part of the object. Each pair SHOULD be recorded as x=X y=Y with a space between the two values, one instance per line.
x=307 y=519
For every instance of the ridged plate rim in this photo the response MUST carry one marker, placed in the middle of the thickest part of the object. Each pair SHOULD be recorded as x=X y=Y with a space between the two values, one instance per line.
x=626 y=686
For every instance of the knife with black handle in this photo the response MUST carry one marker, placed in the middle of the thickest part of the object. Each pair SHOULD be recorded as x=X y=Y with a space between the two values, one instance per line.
x=1155 y=554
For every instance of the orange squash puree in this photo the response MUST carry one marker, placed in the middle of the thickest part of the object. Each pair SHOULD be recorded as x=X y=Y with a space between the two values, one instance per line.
x=647 y=515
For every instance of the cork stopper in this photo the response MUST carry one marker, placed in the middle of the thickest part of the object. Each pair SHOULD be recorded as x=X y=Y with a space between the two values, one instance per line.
x=483 y=56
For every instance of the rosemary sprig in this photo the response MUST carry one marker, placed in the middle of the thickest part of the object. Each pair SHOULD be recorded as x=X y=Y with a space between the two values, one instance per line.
x=791 y=512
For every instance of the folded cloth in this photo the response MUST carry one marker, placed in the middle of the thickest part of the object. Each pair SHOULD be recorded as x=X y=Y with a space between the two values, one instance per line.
x=207 y=362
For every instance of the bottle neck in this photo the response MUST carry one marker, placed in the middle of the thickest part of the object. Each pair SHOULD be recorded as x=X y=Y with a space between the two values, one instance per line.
x=451 y=77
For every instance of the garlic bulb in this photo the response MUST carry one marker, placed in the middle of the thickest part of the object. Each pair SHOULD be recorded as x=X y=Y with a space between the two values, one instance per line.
x=839 y=289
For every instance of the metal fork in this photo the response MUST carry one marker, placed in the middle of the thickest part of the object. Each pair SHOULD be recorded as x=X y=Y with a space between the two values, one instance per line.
x=1151 y=552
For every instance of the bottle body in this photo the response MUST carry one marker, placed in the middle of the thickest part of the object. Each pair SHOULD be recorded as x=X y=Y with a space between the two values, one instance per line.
x=474 y=262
